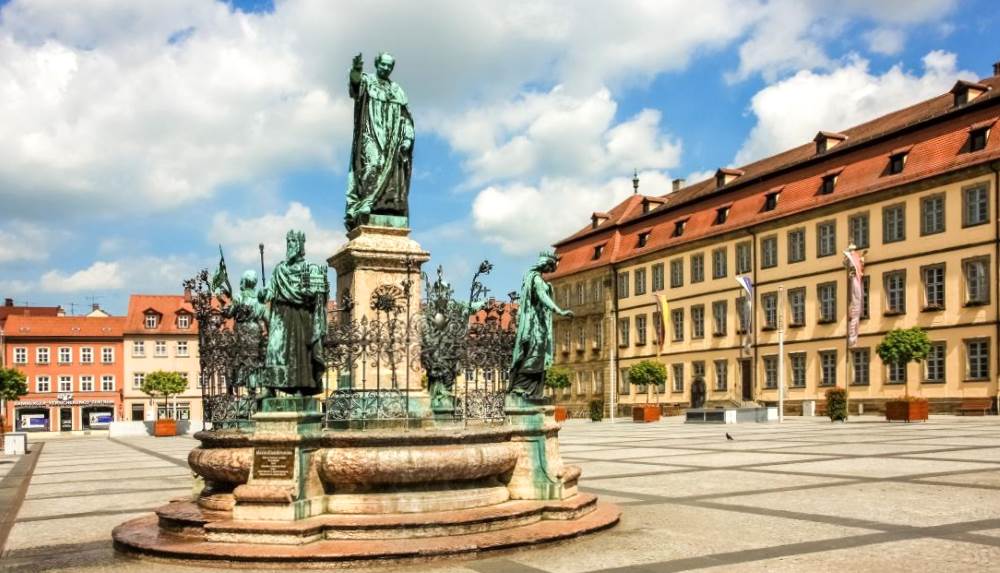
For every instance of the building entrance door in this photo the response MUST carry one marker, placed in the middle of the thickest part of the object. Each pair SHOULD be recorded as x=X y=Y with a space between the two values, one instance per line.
x=746 y=380
x=65 y=419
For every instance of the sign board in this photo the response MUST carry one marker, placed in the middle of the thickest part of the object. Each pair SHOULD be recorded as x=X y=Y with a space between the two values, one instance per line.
x=273 y=463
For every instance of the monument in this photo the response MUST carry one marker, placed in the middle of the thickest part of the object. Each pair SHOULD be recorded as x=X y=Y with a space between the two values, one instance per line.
x=371 y=471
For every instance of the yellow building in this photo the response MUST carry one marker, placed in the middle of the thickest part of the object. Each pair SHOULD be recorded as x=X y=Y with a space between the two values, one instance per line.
x=916 y=191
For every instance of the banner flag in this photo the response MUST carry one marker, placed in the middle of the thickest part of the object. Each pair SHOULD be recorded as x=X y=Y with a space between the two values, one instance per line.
x=661 y=325
x=220 y=280
x=747 y=283
x=857 y=265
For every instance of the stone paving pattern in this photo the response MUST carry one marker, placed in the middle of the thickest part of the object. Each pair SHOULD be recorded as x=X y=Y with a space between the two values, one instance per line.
x=807 y=495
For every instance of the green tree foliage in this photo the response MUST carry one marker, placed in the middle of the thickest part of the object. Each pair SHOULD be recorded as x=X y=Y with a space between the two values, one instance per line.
x=902 y=346
x=13 y=385
x=836 y=404
x=647 y=372
x=557 y=377
x=166 y=384
x=596 y=410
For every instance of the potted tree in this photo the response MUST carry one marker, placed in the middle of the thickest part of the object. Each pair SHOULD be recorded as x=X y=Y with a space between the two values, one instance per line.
x=13 y=385
x=899 y=348
x=164 y=384
x=836 y=404
x=557 y=378
x=647 y=373
x=596 y=410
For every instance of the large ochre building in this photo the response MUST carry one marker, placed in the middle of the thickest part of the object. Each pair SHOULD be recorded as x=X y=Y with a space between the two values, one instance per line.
x=916 y=191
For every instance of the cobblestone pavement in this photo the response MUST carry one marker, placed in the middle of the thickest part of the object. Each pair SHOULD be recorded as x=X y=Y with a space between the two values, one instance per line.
x=804 y=496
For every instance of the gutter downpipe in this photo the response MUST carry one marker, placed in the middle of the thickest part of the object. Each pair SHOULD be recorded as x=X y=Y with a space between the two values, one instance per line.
x=614 y=347
x=995 y=166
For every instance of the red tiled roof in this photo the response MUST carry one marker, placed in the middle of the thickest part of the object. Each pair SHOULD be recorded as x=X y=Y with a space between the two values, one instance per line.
x=6 y=311
x=167 y=305
x=64 y=326
x=934 y=130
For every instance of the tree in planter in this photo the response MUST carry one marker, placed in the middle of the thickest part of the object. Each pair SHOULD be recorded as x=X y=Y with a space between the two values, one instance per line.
x=596 y=410
x=166 y=384
x=648 y=373
x=836 y=404
x=13 y=385
x=902 y=346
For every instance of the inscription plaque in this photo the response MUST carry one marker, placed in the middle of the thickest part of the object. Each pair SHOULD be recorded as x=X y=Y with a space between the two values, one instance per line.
x=273 y=463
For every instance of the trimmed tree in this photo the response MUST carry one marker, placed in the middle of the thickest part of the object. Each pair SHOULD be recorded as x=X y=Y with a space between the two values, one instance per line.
x=166 y=384
x=648 y=373
x=902 y=346
x=13 y=385
x=836 y=404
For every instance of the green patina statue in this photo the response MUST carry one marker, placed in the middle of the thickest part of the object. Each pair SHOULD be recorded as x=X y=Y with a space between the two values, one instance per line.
x=249 y=313
x=533 y=345
x=378 y=184
x=297 y=322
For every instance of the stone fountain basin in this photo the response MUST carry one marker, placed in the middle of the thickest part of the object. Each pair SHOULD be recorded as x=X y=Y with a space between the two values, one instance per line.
x=370 y=457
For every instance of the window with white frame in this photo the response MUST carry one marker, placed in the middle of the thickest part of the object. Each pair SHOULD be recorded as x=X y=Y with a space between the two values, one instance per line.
x=182 y=348
x=43 y=384
x=977 y=286
x=20 y=355
x=798 y=360
x=657 y=277
x=895 y=373
x=640 y=329
x=86 y=355
x=975 y=206
x=894 y=223
x=857 y=228
x=623 y=332
x=160 y=348
x=743 y=258
x=42 y=355
x=65 y=383
x=933 y=276
x=107 y=383
x=138 y=348
x=770 y=371
x=640 y=281
x=65 y=355
x=698 y=321
x=697 y=267
x=719 y=317
x=895 y=292
x=826 y=238
x=932 y=214
x=676 y=273
x=797 y=306
x=828 y=368
x=151 y=320
x=860 y=360
x=107 y=355
x=827 y=294
x=677 y=320
x=184 y=321
x=796 y=245
x=768 y=252
x=769 y=307
x=720 y=263
x=86 y=383
x=137 y=379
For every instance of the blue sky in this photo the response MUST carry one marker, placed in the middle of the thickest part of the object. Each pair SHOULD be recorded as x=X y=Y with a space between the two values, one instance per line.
x=139 y=135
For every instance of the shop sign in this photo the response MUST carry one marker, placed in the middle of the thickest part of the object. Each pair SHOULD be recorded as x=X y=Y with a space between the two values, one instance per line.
x=58 y=402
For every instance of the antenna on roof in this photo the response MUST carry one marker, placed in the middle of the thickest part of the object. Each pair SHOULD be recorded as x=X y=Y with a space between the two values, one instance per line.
x=635 y=181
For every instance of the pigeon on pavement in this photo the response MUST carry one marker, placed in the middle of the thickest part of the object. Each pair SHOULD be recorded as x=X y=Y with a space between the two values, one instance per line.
x=728 y=437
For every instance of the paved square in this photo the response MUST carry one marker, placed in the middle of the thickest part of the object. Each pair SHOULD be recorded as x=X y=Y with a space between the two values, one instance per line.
x=806 y=495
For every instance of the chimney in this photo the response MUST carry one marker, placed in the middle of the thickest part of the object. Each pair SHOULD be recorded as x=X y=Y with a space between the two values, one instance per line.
x=95 y=306
x=678 y=183
x=187 y=294
x=996 y=68
x=8 y=302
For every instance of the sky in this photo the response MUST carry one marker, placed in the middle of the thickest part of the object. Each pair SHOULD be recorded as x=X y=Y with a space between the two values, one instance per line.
x=136 y=137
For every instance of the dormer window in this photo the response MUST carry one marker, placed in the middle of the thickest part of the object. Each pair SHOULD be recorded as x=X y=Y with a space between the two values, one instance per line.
x=598 y=251
x=726 y=175
x=829 y=181
x=649 y=203
x=896 y=162
x=979 y=134
x=679 y=228
x=965 y=92
x=771 y=200
x=643 y=239
x=184 y=321
x=721 y=214
x=827 y=140
x=151 y=321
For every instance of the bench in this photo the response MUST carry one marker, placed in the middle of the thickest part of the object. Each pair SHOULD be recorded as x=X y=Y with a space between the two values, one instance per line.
x=975 y=407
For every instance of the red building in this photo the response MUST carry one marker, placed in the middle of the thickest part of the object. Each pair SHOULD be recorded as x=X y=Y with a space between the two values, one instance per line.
x=74 y=367
x=10 y=309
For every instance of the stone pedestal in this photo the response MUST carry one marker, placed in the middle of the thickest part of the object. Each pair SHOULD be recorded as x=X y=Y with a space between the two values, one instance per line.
x=539 y=472
x=283 y=484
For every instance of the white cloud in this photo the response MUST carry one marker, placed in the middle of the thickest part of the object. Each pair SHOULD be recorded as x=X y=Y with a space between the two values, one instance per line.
x=886 y=41
x=240 y=237
x=23 y=241
x=558 y=135
x=790 y=112
x=15 y=287
x=526 y=218
x=100 y=276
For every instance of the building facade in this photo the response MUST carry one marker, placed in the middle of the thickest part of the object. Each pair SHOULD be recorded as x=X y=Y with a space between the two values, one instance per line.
x=161 y=334
x=74 y=371
x=915 y=191
x=11 y=309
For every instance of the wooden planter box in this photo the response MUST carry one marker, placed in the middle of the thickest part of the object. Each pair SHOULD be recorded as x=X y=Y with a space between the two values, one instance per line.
x=165 y=427
x=905 y=410
x=646 y=414
x=561 y=413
